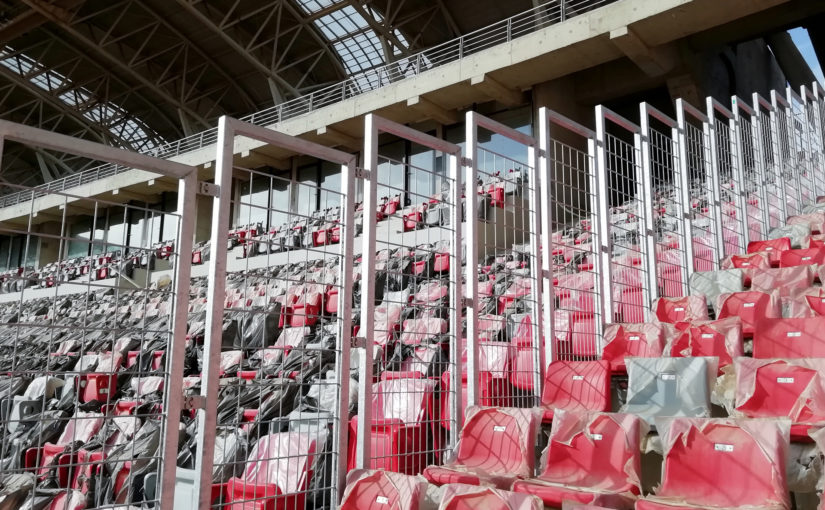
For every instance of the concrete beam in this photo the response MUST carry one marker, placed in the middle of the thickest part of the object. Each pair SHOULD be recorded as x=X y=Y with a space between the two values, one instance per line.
x=161 y=185
x=496 y=90
x=78 y=207
x=129 y=195
x=685 y=86
x=653 y=61
x=432 y=111
x=254 y=159
x=338 y=138
x=47 y=216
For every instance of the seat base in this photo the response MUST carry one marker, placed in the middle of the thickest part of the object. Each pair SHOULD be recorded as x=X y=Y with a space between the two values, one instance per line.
x=555 y=495
x=440 y=475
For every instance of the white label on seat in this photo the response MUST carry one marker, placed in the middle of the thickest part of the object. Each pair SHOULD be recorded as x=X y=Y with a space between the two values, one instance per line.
x=103 y=390
x=679 y=309
x=499 y=428
x=806 y=258
x=784 y=380
x=668 y=377
x=707 y=335
x=748 y=305
x=596 y=437
x=769 y=248
x=381 y=500
x=633 y=337
x=720 y=447
x=794 y=334
x=578 y=378
x=746 y=264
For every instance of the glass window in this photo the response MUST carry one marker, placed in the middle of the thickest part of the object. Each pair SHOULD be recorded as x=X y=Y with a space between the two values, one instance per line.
x=330 y=185
x=31 y=250
x=425 y=176
x=116 y=233
x=307 y=189
x=280 y=200
x=391 y=178
x=254 y=200
x=170 y=221
x=5 y=244
x=81 y=233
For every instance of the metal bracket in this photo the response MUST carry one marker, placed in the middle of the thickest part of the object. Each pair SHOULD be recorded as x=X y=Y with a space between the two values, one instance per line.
x=194 y=402
x=546 y=273
x=541 y=153
x=465 y=161
x=209 y=189
x=362 y=173
x=467 y=302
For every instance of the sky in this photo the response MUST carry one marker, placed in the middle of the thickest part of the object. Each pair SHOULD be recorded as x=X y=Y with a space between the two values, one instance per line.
x=803 y=42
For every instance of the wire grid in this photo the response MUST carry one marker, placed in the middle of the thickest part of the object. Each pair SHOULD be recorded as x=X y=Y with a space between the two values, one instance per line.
x=412 y=394
x=733 y=218
x=507 y=287
x=757 y=211
x=575 y=254
x=630 y=287
x=83 y=352
x=815 y=147
x=772 y=176
x=698 y=164
x=786 y=159
x=667 y=214
x=278 y=401
x=801 y=151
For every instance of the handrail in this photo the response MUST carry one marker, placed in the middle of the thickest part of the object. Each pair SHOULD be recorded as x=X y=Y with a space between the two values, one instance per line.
x=504 y=31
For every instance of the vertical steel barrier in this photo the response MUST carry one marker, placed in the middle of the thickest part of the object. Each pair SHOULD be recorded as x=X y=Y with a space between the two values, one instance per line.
x=800 y=149
x=92 y=343
x=786 y=155
x=768 y=147
x=503 y=248
x=666 y=234
x=749 y=155
x=410 y=375
x=731 y=211
x=626 y=267
x=569 y=230
x=275 y=371
x=812 y=143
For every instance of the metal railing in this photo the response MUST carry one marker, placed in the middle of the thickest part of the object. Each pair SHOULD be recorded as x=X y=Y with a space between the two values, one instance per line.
x=500 y=32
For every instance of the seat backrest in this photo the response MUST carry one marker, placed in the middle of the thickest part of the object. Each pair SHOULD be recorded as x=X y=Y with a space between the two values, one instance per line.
x=384 y=490
x=282 y=459
x=783 y=279
x=498 y=440
x=789 y=338
x=81 y=427
x=595 y=449
x=780 y=244
x=674 y=310
x=407 y=399
x=720 y=338
x=669 y=386
x=644 y=340
x=725 y=463
x=781 y=388
x=577 y=385
x=750 y=306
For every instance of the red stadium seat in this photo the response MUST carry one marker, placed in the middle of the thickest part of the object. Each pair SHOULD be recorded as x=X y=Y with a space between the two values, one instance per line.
x=721 y=338
x=790 y=338
x=772 y=247
x=495 y=447
x=808 y=303
x=673 y=310
x=645 y=340
x=590 y=455
x=750 y=261
x=783 y=388
x=101 y=384
x=751 y=307
x=802 y=257
x=576 y=386
x=468 y=497
x=721 y=463
x=382 y=490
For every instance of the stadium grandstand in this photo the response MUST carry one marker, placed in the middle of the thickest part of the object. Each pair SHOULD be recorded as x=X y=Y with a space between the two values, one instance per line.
x=412 y=255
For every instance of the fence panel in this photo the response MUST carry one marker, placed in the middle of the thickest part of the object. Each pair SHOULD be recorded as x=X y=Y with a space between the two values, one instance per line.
x=276 y=302
x=570 y=241
x=410 y=318
x=812 y=142
x=749 y=155
x=786 y=150
x=769 y=159
x=627 y=272
x=93 y=340
x=503 y=263
x=666 y=246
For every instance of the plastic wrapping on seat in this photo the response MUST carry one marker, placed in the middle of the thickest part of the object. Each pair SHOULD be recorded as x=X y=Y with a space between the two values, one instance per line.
x=469 y=497
x=746 y=261
x=382 y=490
x=576 y=386
x=802 y=257
x=751 y=307
x=722 y=463
x=806 y=303
x=774 y=388
x=770 y=247
x=417 y=331
x=591 y=457
x=645 y=340
x=674 y=310
x=279 y=465
x=796 y=234
x=713 y=283
x=669 y=386
x=790 y=338
x=721 y=339
x=783 y=279
x=814 y=220
x=495 y=447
